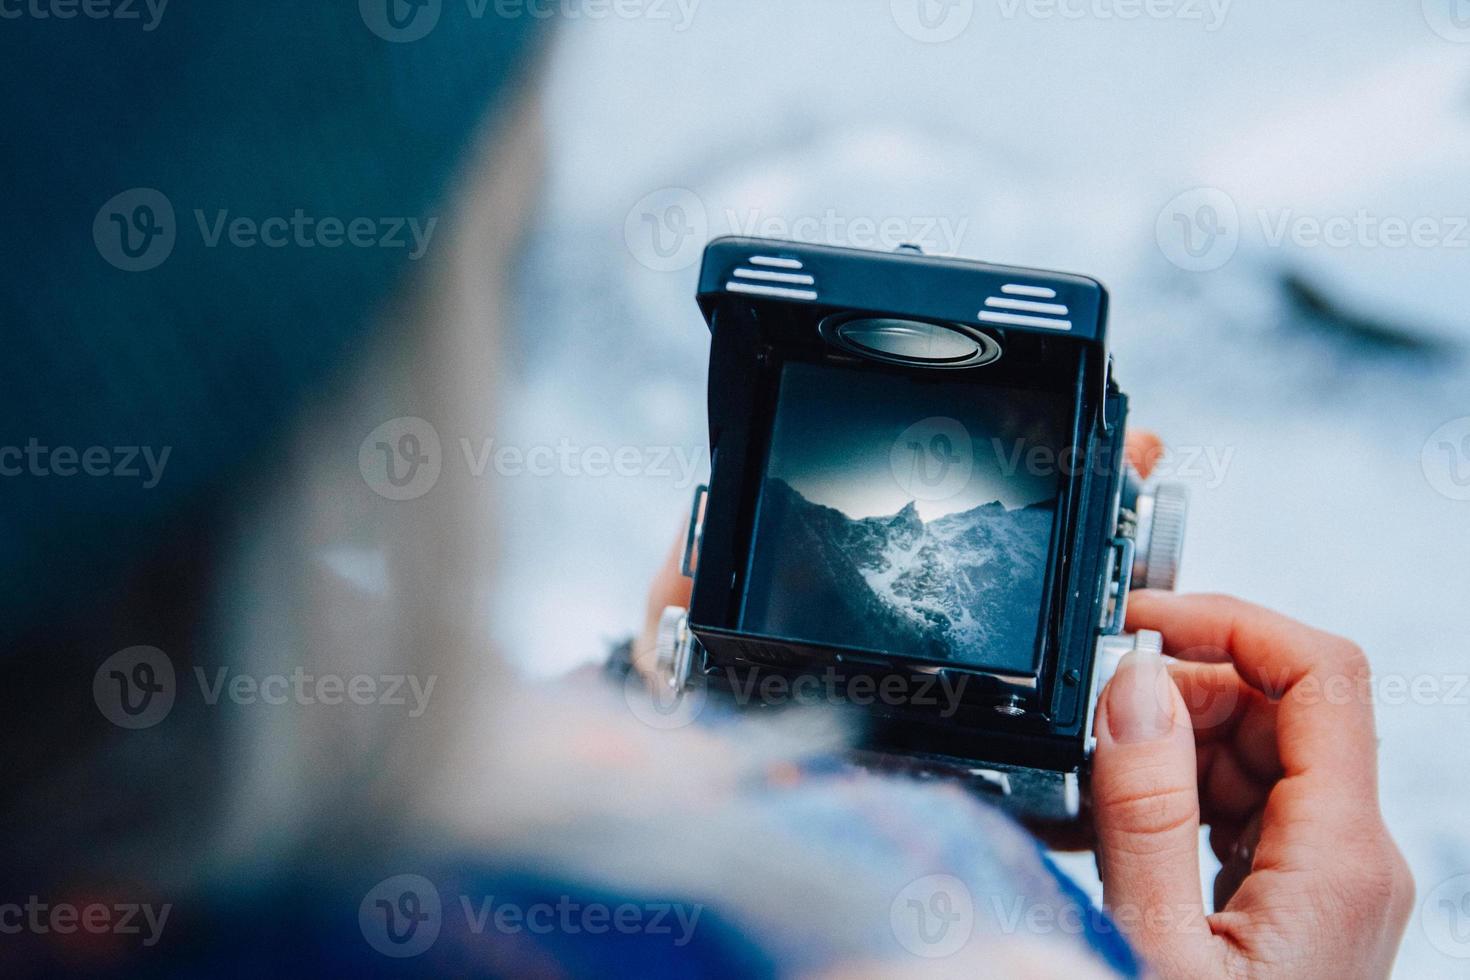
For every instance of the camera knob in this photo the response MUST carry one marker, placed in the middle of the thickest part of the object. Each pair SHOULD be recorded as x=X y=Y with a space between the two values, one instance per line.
x=1110 y=653
x=1162 y=515
x=1148 y=641
x=671 y=648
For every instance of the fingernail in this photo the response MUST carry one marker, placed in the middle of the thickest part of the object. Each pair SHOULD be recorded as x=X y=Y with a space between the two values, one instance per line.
x=1140 y=704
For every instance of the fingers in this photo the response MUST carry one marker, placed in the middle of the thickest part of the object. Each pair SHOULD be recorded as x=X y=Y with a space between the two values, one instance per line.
x=669 y=588
x=1143 y=450
x=1324 y=722
x=1235 y=738
x=1216 y=697
x=1236 y=859
x=1146 y=807
x=1310 y=877
x=1229 y=715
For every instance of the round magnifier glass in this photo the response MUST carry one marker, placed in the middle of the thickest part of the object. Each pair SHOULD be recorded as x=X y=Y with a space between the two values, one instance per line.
x=914 y=342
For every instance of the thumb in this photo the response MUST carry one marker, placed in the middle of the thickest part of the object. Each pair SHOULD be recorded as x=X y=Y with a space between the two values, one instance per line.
x=1146 y=806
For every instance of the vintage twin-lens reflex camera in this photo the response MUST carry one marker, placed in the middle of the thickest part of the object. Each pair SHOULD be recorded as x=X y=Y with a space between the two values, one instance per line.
x=918 y=503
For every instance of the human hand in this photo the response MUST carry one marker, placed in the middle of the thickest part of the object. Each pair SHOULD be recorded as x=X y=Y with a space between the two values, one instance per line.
x=1264 y=731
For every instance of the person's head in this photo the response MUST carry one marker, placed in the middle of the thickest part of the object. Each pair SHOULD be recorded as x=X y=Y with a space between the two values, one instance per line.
x=240 y=239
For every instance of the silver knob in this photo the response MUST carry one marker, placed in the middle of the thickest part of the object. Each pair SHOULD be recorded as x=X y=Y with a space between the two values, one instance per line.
x=1112 y=649
x=1162 y=515
x=671 y=649
x=1110 y=653
x=1148 y=641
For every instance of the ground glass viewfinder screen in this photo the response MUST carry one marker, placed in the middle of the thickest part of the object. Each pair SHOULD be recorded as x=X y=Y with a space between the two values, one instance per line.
x=906 y=516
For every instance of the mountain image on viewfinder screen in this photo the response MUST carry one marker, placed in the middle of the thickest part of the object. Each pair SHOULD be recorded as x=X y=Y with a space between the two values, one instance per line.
x=907 y=517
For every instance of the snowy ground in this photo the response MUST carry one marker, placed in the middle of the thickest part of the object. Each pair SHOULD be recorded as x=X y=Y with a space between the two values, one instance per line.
x=1319 y=148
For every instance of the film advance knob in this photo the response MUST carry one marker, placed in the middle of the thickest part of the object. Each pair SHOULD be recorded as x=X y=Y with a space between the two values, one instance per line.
x=1148 y=641
x=671 y=648
x=1165 y=545
x=1110 y=653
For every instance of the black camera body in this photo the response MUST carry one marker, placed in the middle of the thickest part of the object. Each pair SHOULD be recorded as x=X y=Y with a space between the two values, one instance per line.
x=919 y=504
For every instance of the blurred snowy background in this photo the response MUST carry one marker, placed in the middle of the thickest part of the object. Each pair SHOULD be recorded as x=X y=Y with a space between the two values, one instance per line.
x=1276 y=194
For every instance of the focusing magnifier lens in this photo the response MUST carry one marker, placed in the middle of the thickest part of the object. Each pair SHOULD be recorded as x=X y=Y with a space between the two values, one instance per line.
x=913 y=342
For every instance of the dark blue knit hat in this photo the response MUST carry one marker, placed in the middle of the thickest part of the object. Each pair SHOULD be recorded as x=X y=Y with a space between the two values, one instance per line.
x=137 y=317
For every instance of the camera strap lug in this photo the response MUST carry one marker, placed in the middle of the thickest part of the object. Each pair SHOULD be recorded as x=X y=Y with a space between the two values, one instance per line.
x=1119 y=581
x=1102 y=405
x=695 y=533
